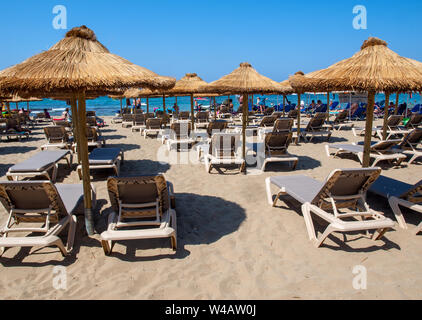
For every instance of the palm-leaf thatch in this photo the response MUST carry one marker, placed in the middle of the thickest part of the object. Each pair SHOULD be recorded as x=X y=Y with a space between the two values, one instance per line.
x=17 y=99
x=245 y=80
x=77 y=62
x=189 y=84
x=374 y=68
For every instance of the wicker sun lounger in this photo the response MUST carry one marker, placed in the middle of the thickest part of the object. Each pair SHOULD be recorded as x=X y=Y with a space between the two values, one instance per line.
x=338 y=199
x=43 y=203
x=40 y=165
x=400 y=194
x=380 y=151
x=141 y=210
x=276 y=145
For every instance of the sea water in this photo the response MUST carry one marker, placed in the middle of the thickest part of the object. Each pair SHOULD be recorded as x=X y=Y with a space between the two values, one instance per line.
x=105 y=106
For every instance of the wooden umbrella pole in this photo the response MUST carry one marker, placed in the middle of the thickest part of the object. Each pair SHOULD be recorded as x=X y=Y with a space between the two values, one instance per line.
x=384 y=127
x=215 y=110
x=27 y=106
x=245 y=111
x=74 y=108
x=328 y=106
x=368 y=129
x=121 y=107
x=147 y=104
x=284 y=105
x=298 y=119
x=192 y=111
x=83 y=148
x=396 y=109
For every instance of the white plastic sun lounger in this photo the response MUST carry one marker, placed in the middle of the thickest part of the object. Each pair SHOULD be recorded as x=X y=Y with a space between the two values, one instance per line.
x=343 y=189
x=141 y=210
x=409 y=145
x=276 y=145
x=104 y=158
x=380 y=151
x=400 y=194
x=180 y=135
x=40 y=164
x=41 y=202
x=223 y=150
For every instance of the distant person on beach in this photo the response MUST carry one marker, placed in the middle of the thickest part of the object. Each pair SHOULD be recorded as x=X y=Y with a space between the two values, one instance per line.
x=46 y=114
x=21 y=111
x=353 y=108
x=65 y=114
x=176 y=108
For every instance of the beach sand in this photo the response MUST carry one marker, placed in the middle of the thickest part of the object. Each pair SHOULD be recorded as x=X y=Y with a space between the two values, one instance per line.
x=232 y=244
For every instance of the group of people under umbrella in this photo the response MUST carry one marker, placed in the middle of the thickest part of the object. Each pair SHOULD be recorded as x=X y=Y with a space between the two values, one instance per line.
x=79 y=67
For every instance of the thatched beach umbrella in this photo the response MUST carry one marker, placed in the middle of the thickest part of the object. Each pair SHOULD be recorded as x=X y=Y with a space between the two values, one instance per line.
x=244 y=80
x=188 y=85
x=72 y=68
x=375 y=68
x=16 y=99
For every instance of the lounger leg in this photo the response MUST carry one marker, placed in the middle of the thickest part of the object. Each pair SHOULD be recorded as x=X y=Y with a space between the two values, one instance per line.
x=306 y=211
x=354 y=132
x=269 y=193
x=295 y=164
x=378 y=234
x=80 y=173
x=324 y=236
x=60 y=245
x=107 y=247
x=394 y=204
x=329 y=136
x=71 y=233
x=54 y=175
x=414 y=158
x=327 y=150
x=419 y=228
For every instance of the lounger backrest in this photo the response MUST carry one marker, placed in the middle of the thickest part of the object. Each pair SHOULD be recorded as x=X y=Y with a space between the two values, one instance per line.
x=55 y=134
x=139 y=190
x=12 y=123
x=149 y=115
x=224 y=145
x=91 y=121
x=268 y=121
x=292 y=114
x=278 y=142
x=91 y=114
x=341 y=116
x=139 y=119
x=283 y=125
x=127 y=117
x=413 y=138
x=269 y=111
x=415 y=120
x=394 y=121
x=154 y=123
x=181 y=130
x=184 y=115
x=317 y=121
x=31 y=195
x=202 y=116
x=384 y=146
x=91 y=134
x=414 y=194
x=277 y=114
x=346 y=182
x=216 y=127
x=225 y=109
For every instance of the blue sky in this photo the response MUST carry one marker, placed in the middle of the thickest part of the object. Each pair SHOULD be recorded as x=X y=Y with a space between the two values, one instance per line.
x=211 y=37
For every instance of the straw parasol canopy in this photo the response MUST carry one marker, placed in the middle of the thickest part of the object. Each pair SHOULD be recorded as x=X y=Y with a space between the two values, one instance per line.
x=77 y=67
x=17 y=99
x=78 y=62
x=374 y=68
x=244 y=80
